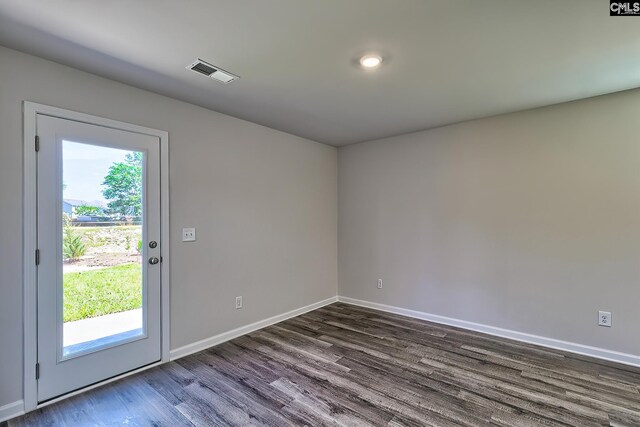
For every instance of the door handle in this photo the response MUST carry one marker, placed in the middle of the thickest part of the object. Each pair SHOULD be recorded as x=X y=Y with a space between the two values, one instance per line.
x=153 y=260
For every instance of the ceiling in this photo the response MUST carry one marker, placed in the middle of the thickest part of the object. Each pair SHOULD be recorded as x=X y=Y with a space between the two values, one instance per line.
x=445 y=61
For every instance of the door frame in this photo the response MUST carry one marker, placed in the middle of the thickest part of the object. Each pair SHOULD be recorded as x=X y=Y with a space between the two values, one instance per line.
x=30 y=332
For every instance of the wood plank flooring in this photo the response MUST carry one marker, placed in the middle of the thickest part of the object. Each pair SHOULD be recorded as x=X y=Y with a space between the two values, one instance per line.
x=343 y=365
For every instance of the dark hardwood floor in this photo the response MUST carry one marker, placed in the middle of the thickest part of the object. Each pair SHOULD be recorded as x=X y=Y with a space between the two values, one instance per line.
x=349 y=366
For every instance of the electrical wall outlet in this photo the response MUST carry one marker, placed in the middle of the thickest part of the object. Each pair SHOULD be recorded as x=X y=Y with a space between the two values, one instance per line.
x=379 y=283
x=604 y=318
x=238 y=303
x=188 y=234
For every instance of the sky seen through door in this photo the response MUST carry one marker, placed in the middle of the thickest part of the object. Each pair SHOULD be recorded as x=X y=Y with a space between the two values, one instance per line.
x=84 y=169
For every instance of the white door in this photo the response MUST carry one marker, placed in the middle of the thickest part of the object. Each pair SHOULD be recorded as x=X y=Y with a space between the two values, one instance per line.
x=98 y=232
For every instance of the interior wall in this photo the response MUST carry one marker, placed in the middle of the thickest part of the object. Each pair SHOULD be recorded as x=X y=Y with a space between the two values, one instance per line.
x=528 y=221
x=264 y=204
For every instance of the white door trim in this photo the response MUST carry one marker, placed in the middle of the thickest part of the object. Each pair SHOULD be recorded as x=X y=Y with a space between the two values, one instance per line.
x=30 y=110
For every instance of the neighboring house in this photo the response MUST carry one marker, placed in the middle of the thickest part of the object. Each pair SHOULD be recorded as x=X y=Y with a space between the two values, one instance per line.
x=69 y=206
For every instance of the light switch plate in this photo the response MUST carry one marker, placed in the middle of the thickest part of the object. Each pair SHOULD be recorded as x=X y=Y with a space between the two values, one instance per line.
x=188 y=234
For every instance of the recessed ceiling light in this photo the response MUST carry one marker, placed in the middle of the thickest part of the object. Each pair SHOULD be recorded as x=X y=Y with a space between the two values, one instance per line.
x=370 y=61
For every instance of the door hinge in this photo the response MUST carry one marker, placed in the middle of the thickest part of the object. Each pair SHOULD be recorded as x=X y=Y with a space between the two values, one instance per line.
x=37 y=143
x=37 y=256
x=37 y=371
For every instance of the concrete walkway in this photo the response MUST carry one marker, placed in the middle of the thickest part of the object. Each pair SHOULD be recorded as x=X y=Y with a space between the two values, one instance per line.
x=86 y=330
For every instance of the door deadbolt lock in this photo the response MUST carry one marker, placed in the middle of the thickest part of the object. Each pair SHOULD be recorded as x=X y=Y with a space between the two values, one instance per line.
x=153 y=244
x=153 y=260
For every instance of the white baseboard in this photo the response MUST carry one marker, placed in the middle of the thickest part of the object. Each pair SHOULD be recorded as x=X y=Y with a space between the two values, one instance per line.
x=234 y=333
x=585 y=350
x=11 y=410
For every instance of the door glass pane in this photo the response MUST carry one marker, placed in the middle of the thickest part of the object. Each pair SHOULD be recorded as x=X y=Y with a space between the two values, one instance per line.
x=102 y=270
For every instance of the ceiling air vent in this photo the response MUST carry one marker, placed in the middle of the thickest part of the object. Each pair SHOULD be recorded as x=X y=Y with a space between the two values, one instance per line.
x=209 y=70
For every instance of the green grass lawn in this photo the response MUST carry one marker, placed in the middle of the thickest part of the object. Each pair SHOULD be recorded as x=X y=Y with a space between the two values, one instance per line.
x=98 y=292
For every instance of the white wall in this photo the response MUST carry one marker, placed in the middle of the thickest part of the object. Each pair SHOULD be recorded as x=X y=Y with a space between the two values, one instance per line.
x=263 y=203
x=528 y=221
